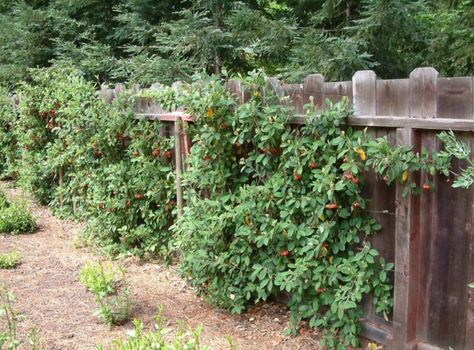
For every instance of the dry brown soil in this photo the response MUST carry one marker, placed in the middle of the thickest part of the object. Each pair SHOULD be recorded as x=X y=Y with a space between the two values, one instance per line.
x=51 y=297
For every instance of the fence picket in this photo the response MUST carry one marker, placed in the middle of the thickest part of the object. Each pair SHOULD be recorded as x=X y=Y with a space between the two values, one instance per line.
x=313 y=90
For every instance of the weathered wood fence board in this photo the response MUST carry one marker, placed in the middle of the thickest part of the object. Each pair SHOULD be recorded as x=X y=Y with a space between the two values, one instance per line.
x=429 y=237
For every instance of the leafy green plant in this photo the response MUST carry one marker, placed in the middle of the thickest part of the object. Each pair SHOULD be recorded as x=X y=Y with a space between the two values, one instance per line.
x=8 y=142
x=107 y=283
x=10 y=260
x=276 y=209
x=8 y=332
x=115 y=309
x=16 y=219
x=9 y=337
x=115 y=171
x=3 y=200
x=101 y=278
x=459 y=150
x=159 y=339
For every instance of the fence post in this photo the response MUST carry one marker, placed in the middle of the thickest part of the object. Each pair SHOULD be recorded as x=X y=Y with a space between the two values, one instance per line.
x=119 y=89
x=406 y=245
x=103 y=92
x=415 y=215
x=178 y=164
x=235 y=86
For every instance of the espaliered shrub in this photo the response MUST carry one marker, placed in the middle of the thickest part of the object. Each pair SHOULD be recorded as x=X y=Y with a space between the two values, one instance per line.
x=8 y=142
x=273 y=208
x=82 y=156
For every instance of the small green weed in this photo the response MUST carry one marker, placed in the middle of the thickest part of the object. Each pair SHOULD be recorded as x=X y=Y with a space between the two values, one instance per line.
x=9 y=260
x=112 y=295
x=115 y=308
x=184 y=340
x=16 y=219
x=8 y=333
x=101 y=278
x=8 y=337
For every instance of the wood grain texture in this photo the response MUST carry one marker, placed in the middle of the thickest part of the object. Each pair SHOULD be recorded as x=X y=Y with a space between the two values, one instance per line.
x=313 y=90
x=393 y=97
x=448 y=269
x=455 y=98
x=336 y=91
x=364 y=92
x=294 y=92
x=424 y=93
x=406 y=243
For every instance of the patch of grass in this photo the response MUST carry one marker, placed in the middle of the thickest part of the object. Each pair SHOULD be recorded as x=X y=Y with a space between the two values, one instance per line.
x=16 y=219
x=9 y=260
x=112 y=294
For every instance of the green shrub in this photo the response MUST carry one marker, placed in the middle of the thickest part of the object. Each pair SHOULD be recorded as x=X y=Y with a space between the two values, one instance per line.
x=16 y=219
x=112 y=295
x=158 y=340
x=9 y=260
x=273 y=208
x=117 y=170
x=9 y=148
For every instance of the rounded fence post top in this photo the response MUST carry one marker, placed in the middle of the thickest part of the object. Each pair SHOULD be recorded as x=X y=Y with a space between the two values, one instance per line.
x=424 y=70
x=312 y=77
x=368 y=73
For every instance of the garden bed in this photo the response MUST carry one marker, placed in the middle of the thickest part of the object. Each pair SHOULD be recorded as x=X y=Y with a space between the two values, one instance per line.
x=49 y=293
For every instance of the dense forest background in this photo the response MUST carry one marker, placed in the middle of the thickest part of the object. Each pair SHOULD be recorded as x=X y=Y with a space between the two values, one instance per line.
x=148 y=40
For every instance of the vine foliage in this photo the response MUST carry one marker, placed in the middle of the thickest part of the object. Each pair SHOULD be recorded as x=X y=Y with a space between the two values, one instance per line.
x=271 y=208
x=276 y=209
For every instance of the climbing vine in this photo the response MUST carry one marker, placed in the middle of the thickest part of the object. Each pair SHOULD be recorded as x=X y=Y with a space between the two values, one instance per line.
x=276 y=209
x=271 y=208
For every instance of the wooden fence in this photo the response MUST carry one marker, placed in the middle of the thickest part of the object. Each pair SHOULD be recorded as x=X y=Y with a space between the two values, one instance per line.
x=430 y=237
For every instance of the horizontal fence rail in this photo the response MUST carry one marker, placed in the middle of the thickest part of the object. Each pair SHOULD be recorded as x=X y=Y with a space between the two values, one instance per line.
x=429 y=237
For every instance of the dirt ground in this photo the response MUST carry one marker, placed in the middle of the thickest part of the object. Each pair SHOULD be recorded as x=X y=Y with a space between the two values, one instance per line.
x=51 y=297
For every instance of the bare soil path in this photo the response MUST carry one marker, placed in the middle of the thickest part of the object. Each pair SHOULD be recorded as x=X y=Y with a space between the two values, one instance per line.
x=50 y=295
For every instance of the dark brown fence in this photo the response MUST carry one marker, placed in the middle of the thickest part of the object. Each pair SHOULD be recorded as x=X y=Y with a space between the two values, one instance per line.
x=429 y=237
